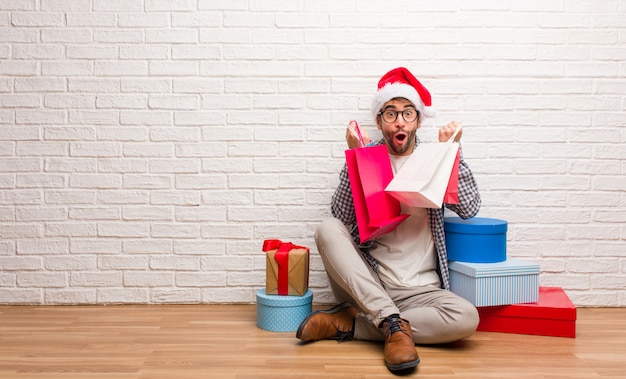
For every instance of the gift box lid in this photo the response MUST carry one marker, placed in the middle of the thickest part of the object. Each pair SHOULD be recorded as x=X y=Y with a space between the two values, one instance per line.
x=511 y=266
x=283 y=300
x=475 y=225
x=553 y=304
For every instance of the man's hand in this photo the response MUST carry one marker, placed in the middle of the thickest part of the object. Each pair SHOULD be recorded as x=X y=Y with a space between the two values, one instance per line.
x=445 y=132
x=352 y=137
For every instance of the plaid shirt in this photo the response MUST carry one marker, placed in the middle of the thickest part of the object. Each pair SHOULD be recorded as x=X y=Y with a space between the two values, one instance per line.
x=342 y=207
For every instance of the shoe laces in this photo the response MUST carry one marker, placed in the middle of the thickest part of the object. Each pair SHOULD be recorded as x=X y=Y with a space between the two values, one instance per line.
x=392 y=325
x=344 y=335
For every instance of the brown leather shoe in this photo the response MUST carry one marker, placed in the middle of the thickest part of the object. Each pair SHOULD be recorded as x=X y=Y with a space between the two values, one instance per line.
x=400 y=353
x=331 y=324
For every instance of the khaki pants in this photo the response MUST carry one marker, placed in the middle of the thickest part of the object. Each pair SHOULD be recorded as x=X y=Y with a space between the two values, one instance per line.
x=436 y=315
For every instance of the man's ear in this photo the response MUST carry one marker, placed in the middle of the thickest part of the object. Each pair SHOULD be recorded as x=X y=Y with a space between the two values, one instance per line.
x=378 y=125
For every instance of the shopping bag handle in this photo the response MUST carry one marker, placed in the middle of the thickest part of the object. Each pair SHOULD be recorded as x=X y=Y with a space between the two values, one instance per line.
x=356 y=131
x=456 y=131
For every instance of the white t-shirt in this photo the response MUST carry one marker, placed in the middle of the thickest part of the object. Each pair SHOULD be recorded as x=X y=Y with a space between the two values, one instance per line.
x=406 y=256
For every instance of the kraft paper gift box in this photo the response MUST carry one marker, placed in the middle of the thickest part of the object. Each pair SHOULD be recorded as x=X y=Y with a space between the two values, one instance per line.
x=286 y=269
x=475 y=240
x=513 y=281
x=553 y=315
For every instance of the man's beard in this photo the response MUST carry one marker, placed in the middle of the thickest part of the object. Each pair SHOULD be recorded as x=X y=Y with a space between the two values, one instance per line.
x=400 y=141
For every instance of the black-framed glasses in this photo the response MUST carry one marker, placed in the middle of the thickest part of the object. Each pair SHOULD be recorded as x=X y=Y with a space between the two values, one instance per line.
x=389 y=115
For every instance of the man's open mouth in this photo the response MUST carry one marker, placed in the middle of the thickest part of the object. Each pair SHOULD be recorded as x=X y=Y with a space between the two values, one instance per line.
x=400 y=137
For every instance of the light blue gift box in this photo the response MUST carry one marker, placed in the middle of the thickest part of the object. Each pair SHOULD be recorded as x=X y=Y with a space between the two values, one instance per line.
x=279 y=313
x=513 y=281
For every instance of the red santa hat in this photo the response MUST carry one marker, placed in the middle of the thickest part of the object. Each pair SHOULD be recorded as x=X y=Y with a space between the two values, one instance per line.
x=399 y=82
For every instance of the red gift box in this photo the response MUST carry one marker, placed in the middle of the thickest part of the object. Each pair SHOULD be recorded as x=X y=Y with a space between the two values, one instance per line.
x=553 y=315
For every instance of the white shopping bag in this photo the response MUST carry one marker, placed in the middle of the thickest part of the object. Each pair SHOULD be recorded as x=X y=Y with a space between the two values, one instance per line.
x=423 y=179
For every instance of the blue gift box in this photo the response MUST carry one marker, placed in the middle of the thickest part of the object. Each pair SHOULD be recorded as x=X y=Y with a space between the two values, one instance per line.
x=279 y=313
x=513 y=281
x=476 y=240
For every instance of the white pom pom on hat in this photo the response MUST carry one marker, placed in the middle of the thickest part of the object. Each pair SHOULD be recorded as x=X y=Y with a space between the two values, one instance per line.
x=399 y=82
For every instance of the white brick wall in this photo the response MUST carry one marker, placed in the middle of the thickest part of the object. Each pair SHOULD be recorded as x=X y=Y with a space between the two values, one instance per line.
x=147 y=147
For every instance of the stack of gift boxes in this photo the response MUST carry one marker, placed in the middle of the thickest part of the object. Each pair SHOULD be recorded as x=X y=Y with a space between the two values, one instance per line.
x=286 y=299
x=505 y=290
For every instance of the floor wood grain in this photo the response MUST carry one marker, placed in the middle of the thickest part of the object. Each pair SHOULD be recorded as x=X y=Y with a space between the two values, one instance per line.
x=222 y=341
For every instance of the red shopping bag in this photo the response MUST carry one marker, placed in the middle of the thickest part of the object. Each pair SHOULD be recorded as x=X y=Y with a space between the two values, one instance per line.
x=452 y=191
x=369 y=171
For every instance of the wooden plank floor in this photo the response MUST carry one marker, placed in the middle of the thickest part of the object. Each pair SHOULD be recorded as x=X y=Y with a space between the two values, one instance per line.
x=222 y=341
